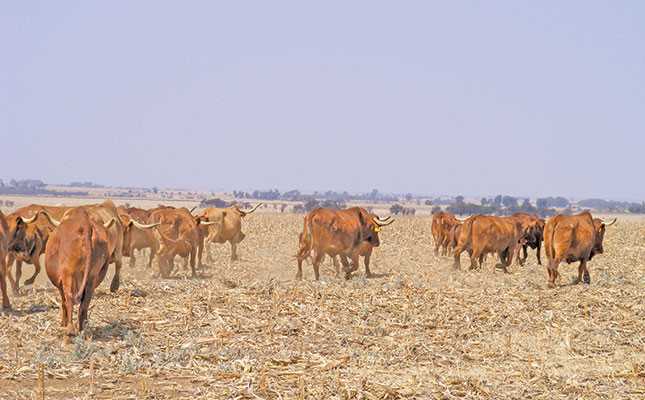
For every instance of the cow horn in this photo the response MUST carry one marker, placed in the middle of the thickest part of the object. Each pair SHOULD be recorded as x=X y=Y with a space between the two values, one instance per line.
x=207 y=223
x=380 y=222
x=144 y=226
x=460 y=220
x=51 y=219
x=612 y=222
x=192 y=209
x=108 y=224
x=251 y=210
x=30 y=220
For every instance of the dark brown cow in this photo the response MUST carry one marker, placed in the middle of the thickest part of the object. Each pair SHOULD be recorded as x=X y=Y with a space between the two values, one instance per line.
x=33 y=247
x=227 y=229
x=77 y=256
x=12 y=238
x=570 y=239
x=337 y=233
x=442 y=222
x=177 y=231
x=533 y=237
x=483 y=234
x=103 y=213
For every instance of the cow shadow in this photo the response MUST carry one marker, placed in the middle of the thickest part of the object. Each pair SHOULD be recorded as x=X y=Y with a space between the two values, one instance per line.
x=378 y=276
x=114 y=329
x=198 y=276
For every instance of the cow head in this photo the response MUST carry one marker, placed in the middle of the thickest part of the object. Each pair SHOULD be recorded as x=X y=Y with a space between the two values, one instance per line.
x=599 y=228
x=371 y=224
x=17 y=232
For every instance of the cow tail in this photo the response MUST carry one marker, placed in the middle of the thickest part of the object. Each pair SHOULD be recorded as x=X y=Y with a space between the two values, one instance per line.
x=306 y=242
x=88 y=264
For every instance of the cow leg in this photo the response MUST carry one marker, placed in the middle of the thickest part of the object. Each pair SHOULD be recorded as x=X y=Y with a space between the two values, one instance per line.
x=15 y=283
x=317 y=258
x=37 y=268
x=539 y=245
x=69 y=305
x=299 y=273
x=114 y=286
x=3 y=283
x=552 y=268
x=63 y=308
x=457 y=255
x=336 y=266
x=133 y=259
x=524 y=256
x=583 y=273
x=233 y=251
x=153 y=251
x=366 y=260
x=504 y=259
x=85 y=303
x=192 y=261
x=354 y=258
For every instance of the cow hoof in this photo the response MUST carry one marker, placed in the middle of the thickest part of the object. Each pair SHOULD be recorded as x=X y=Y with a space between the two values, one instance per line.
x=550 y=285
x=114 y=286
x=586 y=279
x=29 y=281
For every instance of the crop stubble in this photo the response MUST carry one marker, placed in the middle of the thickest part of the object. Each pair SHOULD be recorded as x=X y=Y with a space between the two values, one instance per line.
x=417 y=329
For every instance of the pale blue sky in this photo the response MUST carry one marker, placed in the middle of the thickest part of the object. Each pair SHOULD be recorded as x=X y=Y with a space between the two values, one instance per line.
x=523 y=98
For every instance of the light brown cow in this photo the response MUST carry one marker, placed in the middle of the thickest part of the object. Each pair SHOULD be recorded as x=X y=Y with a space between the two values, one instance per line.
x=442 y=222
x=482 y=234
x=337 y=233
x=176 y=234
x=32 y=248
x=77 y=256
x=12 y=234
x=227 y=229
x=136 y=233
x=570 y=239
x=533 y=237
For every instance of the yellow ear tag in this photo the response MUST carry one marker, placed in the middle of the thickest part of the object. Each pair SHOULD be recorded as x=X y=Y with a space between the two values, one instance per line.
x=376 y=229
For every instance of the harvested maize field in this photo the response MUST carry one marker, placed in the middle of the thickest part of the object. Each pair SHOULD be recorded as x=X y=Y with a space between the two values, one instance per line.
x=416 y=328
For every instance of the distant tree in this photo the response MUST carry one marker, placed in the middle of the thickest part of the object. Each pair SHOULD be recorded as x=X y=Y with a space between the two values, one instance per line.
x=396 y=209
x=299 y=209
x=459 y=200
x=312 y=205
x=408 y=197
x=509 y=201
x=497 y=201
x=483 y=201
x=436 y=209
x=283 y=207
x=154 y=190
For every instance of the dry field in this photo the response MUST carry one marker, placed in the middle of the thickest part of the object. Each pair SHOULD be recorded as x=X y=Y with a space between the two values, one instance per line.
x=417 y=329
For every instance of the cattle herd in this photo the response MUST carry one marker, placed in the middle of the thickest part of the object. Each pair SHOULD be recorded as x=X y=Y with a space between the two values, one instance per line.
x=79 y=243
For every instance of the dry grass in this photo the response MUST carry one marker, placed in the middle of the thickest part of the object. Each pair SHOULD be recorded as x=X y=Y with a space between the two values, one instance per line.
x=418 y=329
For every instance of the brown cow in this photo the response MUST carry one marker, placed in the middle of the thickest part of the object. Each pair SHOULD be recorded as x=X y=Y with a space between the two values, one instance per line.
x=570 y=239
x=103 y=213
x=136 y=234
x=453 y=235
x=442 y=222
x=482 y=234
x=337 y=232
x=34 y=246
x=12 y=237
x=533 y=237
x=176 y=232
x=77 y=256
x=228 y=227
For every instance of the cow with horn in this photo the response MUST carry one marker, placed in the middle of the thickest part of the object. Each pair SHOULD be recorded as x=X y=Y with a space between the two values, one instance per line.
x=338 y=233
x=227 y=227
x=12 y=236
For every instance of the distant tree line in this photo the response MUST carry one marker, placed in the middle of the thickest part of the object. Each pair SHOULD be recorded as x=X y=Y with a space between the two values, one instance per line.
x=397 y=209
x=296 y=195
x=219 y=203
x=33 y=187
